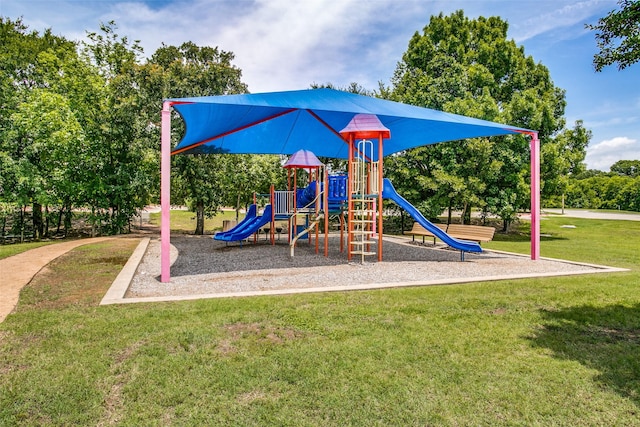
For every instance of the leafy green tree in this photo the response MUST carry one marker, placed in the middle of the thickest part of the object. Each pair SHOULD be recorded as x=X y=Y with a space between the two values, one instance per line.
x=246 y=174
x=618 y=36
x=200 y=181
x=626 y=168
x=45 y=133
x=30 y=92
x=605 y=191
x=562 y=159
x=469 y=67
x=629 y=196
x=124 y=165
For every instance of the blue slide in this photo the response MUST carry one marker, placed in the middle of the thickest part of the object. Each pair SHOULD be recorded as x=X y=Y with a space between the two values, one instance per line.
x=388 y=192
x=250 y=216
x=249 y=227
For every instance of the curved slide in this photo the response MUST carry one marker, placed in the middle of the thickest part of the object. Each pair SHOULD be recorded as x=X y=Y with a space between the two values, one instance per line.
x=250 y=216
x=249 y=227
x=388 y=192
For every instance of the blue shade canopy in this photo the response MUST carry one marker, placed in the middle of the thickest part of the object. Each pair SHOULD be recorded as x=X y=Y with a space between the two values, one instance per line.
x=285 y=122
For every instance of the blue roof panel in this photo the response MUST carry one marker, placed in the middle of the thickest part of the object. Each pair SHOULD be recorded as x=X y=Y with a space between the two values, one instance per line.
x=285 y=122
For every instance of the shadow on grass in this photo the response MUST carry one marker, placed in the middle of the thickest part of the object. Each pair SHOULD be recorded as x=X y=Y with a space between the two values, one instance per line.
x=606 y=339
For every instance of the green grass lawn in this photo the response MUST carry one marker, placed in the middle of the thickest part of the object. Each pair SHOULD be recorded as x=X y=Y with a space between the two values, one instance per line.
x=552 y=351
x=16 y=248
x=185 y=221
x=181 y=222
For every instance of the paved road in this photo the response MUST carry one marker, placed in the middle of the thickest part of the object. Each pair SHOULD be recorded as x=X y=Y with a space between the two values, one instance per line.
x=580 y=213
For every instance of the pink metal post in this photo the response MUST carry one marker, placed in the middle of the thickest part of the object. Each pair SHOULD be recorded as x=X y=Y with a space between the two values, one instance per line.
x=535 y=197
x=165 y=191
x=380 y=205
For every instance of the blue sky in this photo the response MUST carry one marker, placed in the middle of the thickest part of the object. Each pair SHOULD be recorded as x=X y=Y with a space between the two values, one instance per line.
x=290 y=44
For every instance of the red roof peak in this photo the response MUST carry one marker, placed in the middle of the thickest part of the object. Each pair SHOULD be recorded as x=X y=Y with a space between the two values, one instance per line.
x=364 y=126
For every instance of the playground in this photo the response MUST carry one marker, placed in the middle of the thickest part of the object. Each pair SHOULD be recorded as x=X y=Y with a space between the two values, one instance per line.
x=322 y=233
x=333 y=124
x=205 y=268
x=248 y=258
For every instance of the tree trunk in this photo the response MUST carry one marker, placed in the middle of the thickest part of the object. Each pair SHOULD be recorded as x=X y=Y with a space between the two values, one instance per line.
x=505 y=225
x=67 y=220
x=22 y=215
x=463 y=214
x=38 y=227
x=200 y=218
x=93 y=222
x=46 y=222
x=449 y=214
x=238 y=208
x=467 y=214
x=59 y=220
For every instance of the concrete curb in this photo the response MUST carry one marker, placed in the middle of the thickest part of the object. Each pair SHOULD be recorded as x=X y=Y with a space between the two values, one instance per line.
x=369 y=286
x=120 y=285
x=118 y=289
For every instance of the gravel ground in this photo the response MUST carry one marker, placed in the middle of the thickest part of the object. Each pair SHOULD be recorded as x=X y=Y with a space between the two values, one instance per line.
x=206 y=266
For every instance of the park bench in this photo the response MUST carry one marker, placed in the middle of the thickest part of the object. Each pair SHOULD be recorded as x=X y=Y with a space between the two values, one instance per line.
x=475 y=233
x=418 y=230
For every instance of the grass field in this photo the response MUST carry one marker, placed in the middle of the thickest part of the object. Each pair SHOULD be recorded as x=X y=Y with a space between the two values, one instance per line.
x=16 y=248
x=185 y=221
x=554 y=351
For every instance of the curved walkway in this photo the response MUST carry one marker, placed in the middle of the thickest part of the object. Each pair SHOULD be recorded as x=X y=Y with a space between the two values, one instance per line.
x=16 y=271
x=581 y=213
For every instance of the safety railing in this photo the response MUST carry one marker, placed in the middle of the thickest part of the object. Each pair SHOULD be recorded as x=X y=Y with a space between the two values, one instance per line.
x=283 y=202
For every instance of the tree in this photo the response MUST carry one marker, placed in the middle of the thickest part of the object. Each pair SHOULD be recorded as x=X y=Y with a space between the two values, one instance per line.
x=37 y=118
x=45 y=134
x=469 y=67
x=124 y=165
x=246 y=174
x=190 y=70
x=562 y=159
x=626 y=168
x=618 y=36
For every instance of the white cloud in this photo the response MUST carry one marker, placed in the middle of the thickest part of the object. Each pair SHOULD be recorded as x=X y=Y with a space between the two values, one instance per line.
x=283 y=45
x=289 y=44
x=557 y=15
x=602 y=155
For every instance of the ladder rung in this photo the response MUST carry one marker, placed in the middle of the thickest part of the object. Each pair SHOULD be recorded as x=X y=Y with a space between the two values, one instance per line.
x=364 y=242
x=363 y=253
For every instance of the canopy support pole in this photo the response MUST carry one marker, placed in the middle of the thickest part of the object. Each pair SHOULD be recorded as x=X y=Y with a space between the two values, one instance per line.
x=165 y=192
x=380 y=200
x=535 y=196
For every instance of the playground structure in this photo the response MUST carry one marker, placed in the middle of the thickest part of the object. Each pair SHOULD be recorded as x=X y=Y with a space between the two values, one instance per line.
x=359 y=195
x=285 y=122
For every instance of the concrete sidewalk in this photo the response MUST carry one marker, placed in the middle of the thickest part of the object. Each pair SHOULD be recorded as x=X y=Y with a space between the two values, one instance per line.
x=18 y=270
x=580 y=213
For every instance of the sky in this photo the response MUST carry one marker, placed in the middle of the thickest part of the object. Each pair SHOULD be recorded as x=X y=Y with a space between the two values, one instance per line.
x=290 y=44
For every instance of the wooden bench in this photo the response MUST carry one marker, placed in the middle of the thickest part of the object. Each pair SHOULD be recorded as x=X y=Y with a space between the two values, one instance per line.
x=418 y=230
x=475 y=233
